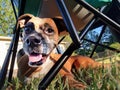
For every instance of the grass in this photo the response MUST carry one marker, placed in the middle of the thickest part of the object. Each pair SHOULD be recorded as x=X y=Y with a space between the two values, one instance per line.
x=100 y=79
x=94 y=79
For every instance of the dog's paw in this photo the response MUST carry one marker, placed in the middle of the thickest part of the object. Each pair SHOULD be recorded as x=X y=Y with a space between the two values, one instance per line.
x=73 y=83
x=76 y=84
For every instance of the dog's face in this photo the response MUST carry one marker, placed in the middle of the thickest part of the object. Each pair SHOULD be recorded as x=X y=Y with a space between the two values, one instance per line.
x=40 y=35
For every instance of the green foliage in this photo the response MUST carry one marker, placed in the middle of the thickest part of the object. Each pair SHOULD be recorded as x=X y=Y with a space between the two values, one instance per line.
x=7 y=19
x=107 y=39
x=115 y=45
x=94 y=79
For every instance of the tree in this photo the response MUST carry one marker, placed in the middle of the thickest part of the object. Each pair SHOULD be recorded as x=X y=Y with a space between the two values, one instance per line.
x=106 y=39
x=7 y=19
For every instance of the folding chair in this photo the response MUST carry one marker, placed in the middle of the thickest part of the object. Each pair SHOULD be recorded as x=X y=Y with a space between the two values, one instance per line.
x=82 y=18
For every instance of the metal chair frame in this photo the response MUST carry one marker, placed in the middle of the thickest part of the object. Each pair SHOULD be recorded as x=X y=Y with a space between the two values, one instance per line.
x=77 y=40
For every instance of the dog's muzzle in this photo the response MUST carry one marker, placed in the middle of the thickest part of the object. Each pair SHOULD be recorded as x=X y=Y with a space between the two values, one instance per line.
x=37 y=50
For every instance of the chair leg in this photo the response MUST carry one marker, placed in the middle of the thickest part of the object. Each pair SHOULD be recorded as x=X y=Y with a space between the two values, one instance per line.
x=13 y=55
x=99 y=38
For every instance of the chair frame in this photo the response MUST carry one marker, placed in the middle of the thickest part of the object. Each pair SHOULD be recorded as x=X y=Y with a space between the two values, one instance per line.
x=77 y=40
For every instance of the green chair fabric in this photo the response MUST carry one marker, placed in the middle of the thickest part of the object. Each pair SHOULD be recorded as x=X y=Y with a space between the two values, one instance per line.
x=98 y=3
x=30 y=6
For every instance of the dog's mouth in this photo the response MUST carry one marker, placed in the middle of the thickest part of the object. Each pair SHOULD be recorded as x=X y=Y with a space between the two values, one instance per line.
x=37 y=59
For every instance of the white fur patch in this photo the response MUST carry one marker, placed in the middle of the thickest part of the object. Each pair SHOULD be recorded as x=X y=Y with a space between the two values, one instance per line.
x=44 y=69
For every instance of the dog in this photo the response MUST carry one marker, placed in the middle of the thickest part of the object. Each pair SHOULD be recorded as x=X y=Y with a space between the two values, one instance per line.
x=40 y=37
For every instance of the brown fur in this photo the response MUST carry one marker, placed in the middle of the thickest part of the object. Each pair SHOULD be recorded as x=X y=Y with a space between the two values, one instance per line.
x=24 y=70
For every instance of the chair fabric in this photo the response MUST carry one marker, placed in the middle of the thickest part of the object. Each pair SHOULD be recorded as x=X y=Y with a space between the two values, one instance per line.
x=98 y=3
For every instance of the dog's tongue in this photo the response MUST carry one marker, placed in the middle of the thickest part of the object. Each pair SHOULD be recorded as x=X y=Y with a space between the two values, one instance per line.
x=35 y=58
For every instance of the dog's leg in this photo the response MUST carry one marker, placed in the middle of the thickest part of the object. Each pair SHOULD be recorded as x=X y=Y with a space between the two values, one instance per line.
x=24 y=70
x=79 y=62
x=69 y=78
x=66 y=73
x=86 y=62
x=22 y=62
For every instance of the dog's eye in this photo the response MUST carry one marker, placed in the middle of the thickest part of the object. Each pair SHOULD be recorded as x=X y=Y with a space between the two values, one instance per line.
x=27 y=30
x=49 y=31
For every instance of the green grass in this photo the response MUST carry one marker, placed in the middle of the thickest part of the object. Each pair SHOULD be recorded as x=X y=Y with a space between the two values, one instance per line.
x=94 y=79
x=100 y=79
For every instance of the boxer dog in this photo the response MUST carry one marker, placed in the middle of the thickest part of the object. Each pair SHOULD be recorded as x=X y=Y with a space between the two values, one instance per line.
x=40 y=37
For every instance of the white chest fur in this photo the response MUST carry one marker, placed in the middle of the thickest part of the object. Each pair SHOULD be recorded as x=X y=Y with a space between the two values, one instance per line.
x=44 y=68
x=43 y=71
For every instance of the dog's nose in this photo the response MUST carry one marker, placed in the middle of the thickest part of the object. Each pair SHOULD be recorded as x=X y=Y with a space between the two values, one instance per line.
x=33 y=40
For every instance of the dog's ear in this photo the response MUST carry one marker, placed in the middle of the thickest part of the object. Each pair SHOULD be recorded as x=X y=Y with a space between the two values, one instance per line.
x=62 y=29
x=22 y=20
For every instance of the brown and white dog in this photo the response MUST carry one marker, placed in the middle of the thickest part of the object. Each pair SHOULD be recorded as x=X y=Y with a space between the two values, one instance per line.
x=40 y=36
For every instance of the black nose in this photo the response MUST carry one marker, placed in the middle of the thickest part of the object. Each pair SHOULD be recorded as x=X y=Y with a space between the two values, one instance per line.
x=33 y=40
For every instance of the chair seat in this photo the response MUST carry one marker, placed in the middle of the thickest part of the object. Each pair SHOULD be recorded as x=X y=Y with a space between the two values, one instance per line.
x=48 y=8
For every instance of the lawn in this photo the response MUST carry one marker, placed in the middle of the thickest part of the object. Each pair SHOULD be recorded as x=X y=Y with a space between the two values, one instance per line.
x=94 y=79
